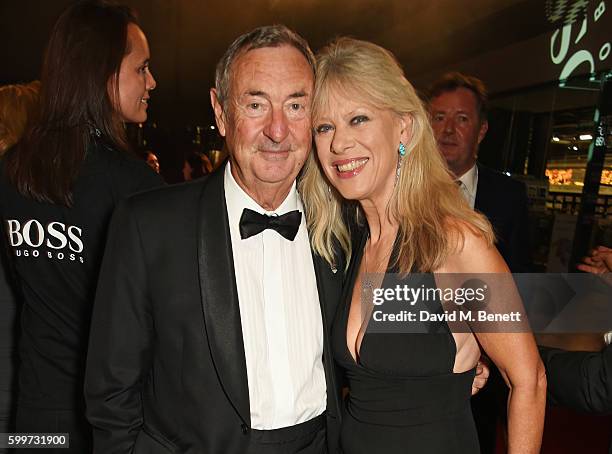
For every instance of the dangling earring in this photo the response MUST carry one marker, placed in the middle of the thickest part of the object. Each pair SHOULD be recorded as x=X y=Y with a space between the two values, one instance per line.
x=402 y=152
x=329 y=194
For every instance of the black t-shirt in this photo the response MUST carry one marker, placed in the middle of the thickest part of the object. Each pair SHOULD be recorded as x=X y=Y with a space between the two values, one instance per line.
x=57 y=253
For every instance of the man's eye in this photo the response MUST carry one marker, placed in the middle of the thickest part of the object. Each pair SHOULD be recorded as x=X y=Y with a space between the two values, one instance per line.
x=322 y=129
x=359 y=119
x=463 y=118
x=254 y=106
x=144 y=69
x=438 y=117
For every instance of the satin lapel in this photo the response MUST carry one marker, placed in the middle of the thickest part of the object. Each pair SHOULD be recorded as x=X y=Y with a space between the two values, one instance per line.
x=329 y=285
x=220 y=296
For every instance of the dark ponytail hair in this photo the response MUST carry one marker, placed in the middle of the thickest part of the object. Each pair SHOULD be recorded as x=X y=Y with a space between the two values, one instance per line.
x=79 y=93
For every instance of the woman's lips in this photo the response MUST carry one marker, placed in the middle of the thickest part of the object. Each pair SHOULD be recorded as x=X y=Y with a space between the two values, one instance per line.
x=348 y=168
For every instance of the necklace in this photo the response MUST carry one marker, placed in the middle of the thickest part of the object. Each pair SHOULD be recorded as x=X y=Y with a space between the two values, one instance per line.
x=369 y=278
x=367 y=282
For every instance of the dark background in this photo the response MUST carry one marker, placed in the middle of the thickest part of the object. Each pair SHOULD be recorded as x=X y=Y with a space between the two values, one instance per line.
x=187 y=37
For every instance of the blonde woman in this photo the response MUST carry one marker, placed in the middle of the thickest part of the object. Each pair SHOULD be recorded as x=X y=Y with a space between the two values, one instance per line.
x=18 y=109
x=408 y=392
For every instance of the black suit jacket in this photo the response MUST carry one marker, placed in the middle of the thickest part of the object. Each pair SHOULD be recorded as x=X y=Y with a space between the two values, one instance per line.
x=579 y=380
x=166 y=371
x=503 y=201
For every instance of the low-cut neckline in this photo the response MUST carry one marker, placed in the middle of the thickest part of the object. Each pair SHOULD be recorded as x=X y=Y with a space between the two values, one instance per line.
x=356 y=360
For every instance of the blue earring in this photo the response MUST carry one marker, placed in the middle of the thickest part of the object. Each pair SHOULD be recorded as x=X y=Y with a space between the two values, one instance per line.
x=402 y=153
x=402 y=149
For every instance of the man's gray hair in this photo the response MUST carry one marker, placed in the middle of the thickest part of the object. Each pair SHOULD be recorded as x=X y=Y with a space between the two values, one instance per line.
x=266 y=36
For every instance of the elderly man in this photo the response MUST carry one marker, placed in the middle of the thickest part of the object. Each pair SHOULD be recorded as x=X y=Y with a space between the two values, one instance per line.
x=207 y=334
x=210 y=331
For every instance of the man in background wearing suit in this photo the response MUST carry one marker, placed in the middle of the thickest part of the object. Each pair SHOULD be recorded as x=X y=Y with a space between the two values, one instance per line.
x=582 y=380
x=458 y=109
x=210 y=325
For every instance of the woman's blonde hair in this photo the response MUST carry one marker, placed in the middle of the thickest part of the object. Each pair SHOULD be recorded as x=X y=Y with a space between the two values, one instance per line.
x=425 y=202
x=18 y=110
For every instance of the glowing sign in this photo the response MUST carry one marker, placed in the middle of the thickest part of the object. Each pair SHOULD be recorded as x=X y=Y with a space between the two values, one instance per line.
x=561 y=39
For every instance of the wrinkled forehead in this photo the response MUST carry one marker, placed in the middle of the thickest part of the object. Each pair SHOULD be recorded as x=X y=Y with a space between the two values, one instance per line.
x=277 y=67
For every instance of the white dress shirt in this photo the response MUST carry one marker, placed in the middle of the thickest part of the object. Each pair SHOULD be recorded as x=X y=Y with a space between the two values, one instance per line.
x=469 y=184
x=282 y=328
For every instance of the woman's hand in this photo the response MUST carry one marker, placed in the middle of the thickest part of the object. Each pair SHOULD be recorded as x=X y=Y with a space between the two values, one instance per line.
x=482 y=375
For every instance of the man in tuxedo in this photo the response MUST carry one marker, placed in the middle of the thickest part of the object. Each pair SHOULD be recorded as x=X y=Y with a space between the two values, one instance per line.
x=210 y=331
x=458 y=110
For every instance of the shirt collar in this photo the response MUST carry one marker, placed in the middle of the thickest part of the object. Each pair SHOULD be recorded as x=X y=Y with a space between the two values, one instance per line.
x=237 y=200
x=470 y=180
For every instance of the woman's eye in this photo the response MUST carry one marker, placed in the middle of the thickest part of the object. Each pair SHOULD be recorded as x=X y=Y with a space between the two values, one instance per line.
x=296 y=106
x=254 y=106
x=321 y=129
x=359 y=119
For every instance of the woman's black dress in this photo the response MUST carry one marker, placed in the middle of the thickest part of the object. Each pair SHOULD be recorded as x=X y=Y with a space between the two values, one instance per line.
x=403 y=394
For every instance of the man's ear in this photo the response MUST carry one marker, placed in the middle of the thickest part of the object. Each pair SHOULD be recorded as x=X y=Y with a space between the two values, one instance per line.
x=219 y=113
x=484 y=127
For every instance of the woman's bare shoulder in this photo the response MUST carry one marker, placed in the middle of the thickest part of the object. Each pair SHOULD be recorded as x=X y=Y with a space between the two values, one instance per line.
x=471 y=251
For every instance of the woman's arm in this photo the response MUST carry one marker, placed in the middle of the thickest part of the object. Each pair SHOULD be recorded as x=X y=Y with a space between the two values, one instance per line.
x=514 y=353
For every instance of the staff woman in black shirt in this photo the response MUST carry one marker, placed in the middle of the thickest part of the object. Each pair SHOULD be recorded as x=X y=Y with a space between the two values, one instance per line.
x=59 y=186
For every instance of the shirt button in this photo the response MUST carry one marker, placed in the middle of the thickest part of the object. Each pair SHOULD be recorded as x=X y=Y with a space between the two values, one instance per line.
x=244 y=428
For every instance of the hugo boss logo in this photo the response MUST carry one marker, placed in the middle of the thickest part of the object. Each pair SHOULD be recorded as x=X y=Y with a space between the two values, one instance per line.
x=55 y=240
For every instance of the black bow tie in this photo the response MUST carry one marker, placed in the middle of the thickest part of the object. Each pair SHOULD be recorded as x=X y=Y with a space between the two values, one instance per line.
x=252 y=223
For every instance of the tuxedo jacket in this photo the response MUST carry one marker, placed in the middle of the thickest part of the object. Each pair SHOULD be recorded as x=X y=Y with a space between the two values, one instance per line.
x=166 y=370
x=503 y=201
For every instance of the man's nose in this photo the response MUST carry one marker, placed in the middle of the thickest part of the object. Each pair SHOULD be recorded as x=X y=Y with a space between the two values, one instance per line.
x=277 y=127
x=449 y=125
